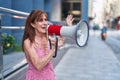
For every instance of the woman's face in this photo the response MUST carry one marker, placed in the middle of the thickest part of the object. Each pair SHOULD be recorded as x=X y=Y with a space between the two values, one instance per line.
x=41 y=25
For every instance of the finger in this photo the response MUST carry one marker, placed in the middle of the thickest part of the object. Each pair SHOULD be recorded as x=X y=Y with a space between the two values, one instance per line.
x=72 y=19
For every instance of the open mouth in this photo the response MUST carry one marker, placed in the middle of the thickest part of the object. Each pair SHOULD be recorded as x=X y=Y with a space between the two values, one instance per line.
x=44 y=29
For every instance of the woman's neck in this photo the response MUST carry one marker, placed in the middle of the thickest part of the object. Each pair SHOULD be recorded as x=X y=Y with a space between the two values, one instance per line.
x=39 y=37
x=41 y=42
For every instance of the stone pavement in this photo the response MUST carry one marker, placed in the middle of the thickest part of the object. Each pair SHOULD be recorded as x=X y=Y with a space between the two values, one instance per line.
x=96 y=61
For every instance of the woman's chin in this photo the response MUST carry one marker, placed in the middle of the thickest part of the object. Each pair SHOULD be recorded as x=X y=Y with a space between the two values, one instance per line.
x=44 y=32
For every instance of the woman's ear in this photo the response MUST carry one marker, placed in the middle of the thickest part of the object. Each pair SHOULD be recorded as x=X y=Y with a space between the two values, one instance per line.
x=33 y=25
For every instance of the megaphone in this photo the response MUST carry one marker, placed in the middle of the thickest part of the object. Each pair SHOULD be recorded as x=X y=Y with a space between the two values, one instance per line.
x=79 y=32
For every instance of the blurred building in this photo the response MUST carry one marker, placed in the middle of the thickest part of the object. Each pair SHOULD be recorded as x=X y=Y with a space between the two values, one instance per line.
x=25 y=6
x=57 y=10
x=102 y=10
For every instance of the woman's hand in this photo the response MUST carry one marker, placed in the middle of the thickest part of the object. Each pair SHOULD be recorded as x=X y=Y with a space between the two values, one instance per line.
x=61 y=41
x=69 y=20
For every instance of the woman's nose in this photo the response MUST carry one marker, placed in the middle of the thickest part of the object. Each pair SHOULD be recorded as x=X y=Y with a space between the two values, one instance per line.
x=45 y=22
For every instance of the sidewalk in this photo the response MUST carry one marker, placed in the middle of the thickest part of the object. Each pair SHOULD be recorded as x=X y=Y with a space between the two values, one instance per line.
x=96 y=61
x=13 y=61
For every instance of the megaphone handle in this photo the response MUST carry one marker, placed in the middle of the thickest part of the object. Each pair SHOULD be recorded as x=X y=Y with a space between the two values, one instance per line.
x=50 y=43
x=56 y=47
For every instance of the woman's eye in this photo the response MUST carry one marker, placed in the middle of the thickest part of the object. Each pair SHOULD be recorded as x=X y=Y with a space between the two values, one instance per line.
x=41 y=20
x=46 y=20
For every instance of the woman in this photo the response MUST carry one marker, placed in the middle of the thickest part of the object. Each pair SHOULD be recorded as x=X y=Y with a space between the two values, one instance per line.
x=35 y=44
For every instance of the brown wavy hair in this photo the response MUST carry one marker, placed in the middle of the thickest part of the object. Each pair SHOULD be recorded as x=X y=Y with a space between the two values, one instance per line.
x=29 y=32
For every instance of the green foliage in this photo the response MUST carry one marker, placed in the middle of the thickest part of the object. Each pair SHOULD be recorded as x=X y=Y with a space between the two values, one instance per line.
x=8 y=42
x=17 y=48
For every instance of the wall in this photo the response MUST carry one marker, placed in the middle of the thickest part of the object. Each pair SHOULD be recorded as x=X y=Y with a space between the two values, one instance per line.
x=56 y=10
x=5 y=19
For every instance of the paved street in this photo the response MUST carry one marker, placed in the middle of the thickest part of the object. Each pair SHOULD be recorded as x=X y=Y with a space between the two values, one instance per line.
x=96 y=61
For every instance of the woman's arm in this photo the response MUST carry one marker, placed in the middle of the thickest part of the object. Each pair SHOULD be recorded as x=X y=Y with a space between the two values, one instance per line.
x=31 y=54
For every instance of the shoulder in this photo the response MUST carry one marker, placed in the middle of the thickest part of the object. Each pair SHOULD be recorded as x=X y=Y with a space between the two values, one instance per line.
x=27 y=43
x=28 y=46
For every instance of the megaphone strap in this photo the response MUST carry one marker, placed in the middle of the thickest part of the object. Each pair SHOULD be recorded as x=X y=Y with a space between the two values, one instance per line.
x=55 y=47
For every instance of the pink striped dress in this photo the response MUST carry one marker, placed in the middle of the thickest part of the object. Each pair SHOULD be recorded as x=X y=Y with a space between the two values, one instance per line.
x=47 y=73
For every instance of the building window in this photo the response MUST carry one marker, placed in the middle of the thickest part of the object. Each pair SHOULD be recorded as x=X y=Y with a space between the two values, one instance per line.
x=71 y=7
